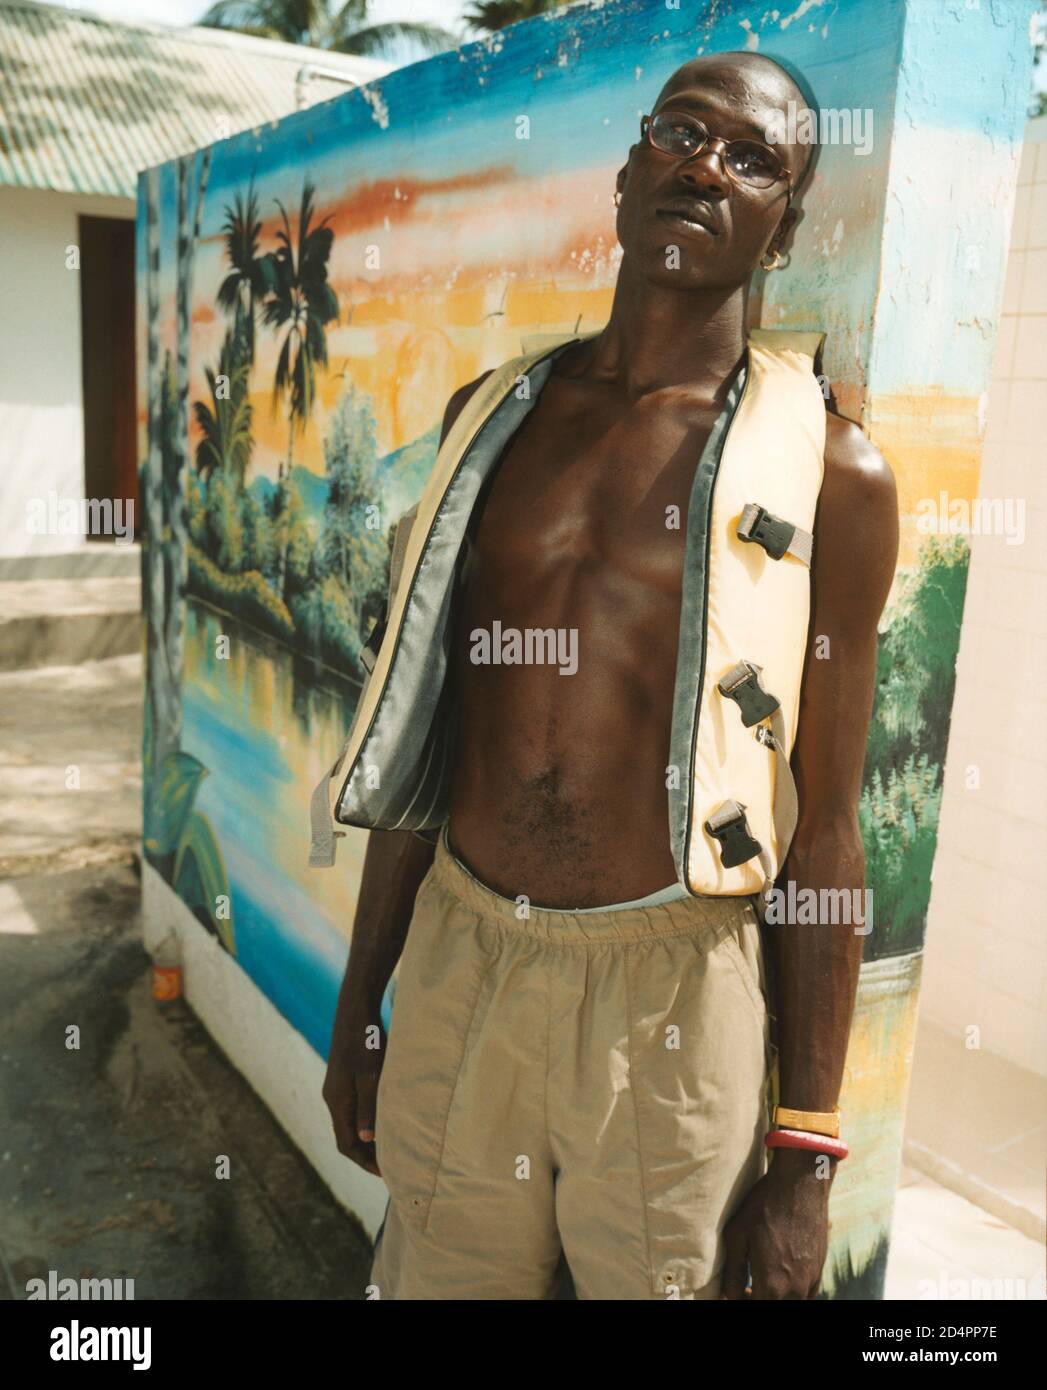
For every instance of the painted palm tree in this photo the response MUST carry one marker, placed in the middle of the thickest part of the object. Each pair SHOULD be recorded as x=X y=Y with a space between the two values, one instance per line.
x=225 y=424
x=491 y=15
x=247 y=284
x=323 y=24
x=300 y=304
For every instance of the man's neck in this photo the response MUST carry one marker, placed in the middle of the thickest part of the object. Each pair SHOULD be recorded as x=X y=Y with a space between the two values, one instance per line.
x=658 y=338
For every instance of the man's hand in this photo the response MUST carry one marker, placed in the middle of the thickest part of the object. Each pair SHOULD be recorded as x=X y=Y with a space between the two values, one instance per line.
x=350 y=1093
x=780 y=1231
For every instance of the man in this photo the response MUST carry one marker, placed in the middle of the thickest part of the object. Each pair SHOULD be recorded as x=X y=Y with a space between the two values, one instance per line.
x=577 y=1061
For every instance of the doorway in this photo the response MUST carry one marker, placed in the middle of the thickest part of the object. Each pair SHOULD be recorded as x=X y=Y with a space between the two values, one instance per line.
x=107 y=340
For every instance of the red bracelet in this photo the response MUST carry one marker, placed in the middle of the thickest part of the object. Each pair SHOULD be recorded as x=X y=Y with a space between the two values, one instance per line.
x=804 y=1139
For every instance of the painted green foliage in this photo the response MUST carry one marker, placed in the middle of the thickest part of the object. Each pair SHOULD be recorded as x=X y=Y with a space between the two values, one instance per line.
x=901 y=795
x=180 y=844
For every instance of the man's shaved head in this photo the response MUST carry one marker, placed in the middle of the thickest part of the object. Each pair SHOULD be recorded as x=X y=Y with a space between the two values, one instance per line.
x=712 y=71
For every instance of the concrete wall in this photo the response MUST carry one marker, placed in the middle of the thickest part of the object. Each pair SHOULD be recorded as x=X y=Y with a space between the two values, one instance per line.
x=41 y=407
x=986 y=963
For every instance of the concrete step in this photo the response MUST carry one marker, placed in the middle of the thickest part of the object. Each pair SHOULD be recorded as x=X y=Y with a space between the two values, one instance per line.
x=90 y=560
x=63 y=622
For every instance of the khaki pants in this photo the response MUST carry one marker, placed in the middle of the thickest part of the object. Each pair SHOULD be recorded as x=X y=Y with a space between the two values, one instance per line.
x=590 y=1085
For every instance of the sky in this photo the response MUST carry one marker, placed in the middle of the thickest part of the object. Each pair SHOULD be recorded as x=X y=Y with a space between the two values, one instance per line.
x=444 y=12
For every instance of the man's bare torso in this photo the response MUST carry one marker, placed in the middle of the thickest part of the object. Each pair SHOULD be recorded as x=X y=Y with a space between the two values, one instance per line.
x=559 y=785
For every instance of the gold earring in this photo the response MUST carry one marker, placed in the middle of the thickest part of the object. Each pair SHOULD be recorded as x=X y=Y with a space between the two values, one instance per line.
x=617 y=197
x=774 y=262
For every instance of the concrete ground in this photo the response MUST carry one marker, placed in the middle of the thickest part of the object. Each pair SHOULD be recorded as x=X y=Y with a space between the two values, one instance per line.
x=943 y=1247
x=108 y=1149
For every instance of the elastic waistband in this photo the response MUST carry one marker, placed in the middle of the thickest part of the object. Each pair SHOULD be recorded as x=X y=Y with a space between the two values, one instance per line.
x=680 y=917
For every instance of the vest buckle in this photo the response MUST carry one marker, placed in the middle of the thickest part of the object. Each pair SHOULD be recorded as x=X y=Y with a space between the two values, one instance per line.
x=730 y=827
x=370 y=649
x=764 y=528
x=742 y=685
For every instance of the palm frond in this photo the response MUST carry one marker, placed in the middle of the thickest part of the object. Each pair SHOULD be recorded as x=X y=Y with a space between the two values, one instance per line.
x=492 y=15
x=376 y=40
x=258 y=17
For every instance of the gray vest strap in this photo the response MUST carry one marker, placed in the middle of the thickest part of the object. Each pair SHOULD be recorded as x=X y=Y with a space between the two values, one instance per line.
x=322 y=840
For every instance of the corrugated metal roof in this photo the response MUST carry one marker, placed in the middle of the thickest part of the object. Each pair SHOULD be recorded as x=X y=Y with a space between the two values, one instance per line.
x=85 y=103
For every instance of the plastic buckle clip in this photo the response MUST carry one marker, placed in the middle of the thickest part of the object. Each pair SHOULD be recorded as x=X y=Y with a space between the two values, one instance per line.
x=742 y=685
x=763 y=528
x=729 y=826
x=370 y=649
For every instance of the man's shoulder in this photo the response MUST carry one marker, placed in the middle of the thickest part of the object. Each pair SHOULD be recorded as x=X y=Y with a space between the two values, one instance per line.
x=856 y=473
x=856 y=531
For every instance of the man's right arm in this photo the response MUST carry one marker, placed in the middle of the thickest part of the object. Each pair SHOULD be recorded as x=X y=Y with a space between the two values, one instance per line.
x=395 y=863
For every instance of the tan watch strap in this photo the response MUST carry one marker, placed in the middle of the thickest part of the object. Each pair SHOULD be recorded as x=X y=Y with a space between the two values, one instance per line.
x=814 y=1121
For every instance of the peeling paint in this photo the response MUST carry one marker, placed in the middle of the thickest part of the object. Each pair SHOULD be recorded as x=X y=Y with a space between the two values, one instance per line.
x=379 y=110
x=799 y=12
x=752 y=39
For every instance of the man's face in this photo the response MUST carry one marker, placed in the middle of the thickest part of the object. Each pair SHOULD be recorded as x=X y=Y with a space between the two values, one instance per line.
x=742 y=221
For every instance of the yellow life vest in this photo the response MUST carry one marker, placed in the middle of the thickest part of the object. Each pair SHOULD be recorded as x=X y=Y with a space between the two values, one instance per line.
x=745 y=609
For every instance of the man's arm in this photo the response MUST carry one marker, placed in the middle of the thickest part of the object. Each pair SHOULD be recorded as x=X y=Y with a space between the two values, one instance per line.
x=395 y=863
x=855 y=551
x=782 y=1228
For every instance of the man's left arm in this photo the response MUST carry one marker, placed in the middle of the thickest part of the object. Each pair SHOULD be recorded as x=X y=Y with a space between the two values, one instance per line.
x=781 y=1229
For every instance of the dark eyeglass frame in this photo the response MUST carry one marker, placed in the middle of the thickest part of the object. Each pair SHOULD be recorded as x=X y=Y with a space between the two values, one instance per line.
x=722 y=146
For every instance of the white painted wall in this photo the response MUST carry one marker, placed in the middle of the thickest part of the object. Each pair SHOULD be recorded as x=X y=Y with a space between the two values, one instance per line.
x=986 y=954
x=41 y=409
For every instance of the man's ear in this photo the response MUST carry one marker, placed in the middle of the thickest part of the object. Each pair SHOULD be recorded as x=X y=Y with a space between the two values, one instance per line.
x=784 y=231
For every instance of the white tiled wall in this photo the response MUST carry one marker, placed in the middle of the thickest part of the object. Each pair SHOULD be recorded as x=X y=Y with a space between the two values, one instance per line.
x=986 y=957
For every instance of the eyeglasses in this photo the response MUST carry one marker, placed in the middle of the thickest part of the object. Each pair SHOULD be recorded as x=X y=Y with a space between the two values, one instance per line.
x=746 y=161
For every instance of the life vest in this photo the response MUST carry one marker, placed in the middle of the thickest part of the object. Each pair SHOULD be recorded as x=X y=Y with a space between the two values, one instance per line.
x=731 y=800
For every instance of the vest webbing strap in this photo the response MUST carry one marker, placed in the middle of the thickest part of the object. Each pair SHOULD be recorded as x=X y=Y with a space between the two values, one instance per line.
x=777 y=537
x=322 y=840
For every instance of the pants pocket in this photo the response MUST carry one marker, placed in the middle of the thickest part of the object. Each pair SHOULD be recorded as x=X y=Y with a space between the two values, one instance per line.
x=744 y=942
x=740 y=937
x=440 y=975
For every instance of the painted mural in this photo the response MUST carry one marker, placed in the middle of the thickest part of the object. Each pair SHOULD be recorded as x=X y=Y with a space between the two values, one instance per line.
x=311 y=293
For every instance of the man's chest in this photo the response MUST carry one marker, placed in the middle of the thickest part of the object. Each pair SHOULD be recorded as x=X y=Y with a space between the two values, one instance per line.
x=599 y=493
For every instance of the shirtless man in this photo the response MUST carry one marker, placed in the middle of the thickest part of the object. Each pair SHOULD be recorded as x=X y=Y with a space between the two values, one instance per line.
x=559 y=789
